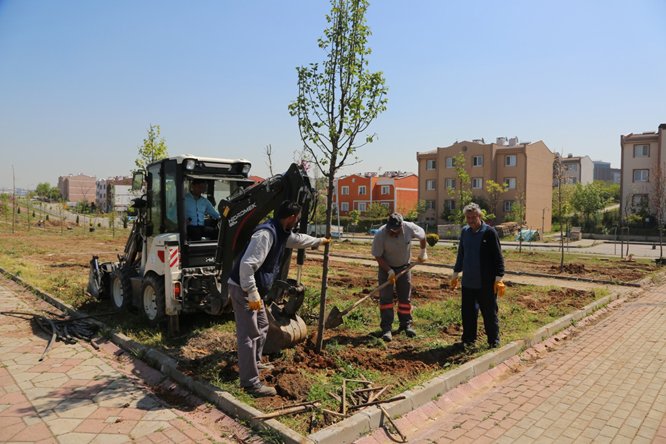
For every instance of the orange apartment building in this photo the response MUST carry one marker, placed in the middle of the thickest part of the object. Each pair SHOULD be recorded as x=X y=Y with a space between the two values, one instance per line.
x=525 y=168
x=397 y=191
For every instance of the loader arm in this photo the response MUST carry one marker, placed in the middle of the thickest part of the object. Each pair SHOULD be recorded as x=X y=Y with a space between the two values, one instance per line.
x=241 y=213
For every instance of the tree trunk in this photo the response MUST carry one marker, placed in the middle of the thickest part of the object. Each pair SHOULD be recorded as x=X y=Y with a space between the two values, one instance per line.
x=324 y=274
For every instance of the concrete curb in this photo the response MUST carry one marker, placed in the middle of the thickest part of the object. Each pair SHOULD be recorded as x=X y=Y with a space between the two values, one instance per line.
x=357 y=425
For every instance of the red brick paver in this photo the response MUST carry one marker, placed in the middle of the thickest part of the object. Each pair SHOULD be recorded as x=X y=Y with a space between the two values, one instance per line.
x=606 y=383
x=79 y=395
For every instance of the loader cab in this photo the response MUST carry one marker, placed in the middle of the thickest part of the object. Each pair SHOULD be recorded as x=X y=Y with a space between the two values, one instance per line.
x=167 y=184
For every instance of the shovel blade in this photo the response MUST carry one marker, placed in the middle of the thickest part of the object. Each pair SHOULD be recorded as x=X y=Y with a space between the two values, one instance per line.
x=334 y=319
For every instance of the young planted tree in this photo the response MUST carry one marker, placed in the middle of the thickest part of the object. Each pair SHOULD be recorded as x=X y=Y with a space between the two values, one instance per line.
x=154 y=148
x=558 y=174
x=658 y=204
x=464 y=191
x=494 y=191
x=336 y=103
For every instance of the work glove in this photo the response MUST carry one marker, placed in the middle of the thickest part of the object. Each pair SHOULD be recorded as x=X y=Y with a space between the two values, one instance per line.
x=391 y=276
x=324 y=240
x=253 y=300
x=423 y=256
x=499 y=288
x=454 y=282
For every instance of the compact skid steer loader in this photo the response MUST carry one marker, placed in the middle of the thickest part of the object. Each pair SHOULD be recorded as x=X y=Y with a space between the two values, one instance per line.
x=164 y=273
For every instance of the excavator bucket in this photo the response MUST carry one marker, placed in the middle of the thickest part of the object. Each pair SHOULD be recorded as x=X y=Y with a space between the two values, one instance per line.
x=285 y=327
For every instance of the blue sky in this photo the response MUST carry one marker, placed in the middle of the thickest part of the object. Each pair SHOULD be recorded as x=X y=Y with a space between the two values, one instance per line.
x=81 y=80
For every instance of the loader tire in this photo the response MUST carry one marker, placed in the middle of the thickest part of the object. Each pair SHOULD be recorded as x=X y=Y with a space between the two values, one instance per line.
x=121 y=289
x=153 y=305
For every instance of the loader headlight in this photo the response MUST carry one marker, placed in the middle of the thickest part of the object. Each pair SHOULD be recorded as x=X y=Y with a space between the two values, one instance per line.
x=190 y=164
x=246 y=168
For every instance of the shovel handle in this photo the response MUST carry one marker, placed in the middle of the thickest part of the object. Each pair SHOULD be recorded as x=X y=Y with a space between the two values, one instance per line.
x=376 y=290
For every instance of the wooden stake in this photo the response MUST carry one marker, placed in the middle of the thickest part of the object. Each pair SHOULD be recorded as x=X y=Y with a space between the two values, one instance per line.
x=289 y=411
x=376 y=395
x=331 y=412
x=395 y=426
x=368 y=404
x=343 y=407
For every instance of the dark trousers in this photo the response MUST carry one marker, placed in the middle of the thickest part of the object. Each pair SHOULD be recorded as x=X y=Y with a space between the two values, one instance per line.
x=403 y=288
x=472 y=300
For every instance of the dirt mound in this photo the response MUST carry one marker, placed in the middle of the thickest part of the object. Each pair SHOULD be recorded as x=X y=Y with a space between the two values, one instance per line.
x=572 y=268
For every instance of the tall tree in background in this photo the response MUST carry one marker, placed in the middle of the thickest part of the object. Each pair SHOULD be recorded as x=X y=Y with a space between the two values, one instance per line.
x=336 y=103
x=153 y=148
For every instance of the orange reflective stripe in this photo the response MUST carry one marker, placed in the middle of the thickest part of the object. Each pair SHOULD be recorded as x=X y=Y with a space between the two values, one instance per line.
x=386 y=306
x=404 y=312
x=405 y=305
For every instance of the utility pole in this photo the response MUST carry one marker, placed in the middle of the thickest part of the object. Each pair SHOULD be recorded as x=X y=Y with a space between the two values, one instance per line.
x=13 y=199
x=543 y=219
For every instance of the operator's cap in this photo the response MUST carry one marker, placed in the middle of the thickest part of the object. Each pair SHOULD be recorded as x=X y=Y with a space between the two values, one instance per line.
x=394 y=222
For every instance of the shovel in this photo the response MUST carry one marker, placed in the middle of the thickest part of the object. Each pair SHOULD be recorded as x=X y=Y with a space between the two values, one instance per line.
x=334 y=318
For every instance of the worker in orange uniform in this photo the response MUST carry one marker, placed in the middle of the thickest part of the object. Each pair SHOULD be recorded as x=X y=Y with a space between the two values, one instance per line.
x=391 y=247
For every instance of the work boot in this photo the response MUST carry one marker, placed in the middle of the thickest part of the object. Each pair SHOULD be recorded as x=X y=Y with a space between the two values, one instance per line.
x=265 y=366
x=387 y=336
x=409 y=331
x=260 y=390
x=494 y=344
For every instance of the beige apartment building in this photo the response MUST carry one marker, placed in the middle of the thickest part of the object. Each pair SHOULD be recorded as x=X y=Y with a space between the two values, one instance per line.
x=526 y=168
x=641 y=156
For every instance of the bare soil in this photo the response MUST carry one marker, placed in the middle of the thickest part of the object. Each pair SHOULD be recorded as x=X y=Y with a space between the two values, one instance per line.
x=212 y=352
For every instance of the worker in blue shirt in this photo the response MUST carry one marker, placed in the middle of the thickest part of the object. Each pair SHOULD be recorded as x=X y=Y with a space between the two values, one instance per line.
x=197 y=207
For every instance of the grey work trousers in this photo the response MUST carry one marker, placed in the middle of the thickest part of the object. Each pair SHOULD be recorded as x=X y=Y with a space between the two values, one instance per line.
x=251 y=331
x=403 y=287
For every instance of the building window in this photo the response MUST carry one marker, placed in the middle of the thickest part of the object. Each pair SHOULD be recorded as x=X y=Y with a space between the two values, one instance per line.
x=449 y=162
x=510 y=183
x=344 y=190
x=641 y=150
x=430 y=184
x=450 y=183
x=385 y=205
x=477 y=183
x=639 y=200
x=641 y=175
x=510 y=160
x=429 y=204
x=477 y=161
x=508 y=205
x=362 y=207
x=361 y=190
x=450 y=204
x=344 y=206
x=386 y=189
x=431 y=164
x=572 y=167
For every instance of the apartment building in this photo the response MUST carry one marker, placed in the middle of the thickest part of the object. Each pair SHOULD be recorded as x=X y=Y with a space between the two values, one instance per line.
x=114 y=194
x=604 y=172
x=643 y=158
x=396 y=190
x=77 y=188
x=526 y=169
x=576 y=169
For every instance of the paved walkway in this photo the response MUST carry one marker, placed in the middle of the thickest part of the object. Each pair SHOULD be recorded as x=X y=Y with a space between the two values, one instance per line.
x=600 y=382
x=79 y=395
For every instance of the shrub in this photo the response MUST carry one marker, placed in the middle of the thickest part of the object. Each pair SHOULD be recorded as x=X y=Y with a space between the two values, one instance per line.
x=432 y=239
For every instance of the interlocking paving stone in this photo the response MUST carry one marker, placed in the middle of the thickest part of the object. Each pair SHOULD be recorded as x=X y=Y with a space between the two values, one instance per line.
x=76 y=396
x=601 y=381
